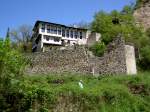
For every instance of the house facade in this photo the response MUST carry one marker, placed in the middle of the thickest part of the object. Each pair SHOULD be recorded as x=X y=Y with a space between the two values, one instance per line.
x=46 y=35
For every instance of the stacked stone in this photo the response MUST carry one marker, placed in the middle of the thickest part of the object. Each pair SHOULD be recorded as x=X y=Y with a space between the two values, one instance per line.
x=59 y=61
x=113 y=61
x=142 y=14
x=77 y=61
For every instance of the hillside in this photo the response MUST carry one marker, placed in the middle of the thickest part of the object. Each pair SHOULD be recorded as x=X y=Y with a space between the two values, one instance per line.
x=61 y=93
x=54 y=85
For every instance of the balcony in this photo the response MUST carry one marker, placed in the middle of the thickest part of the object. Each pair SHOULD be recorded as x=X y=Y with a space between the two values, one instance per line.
x=51 y=40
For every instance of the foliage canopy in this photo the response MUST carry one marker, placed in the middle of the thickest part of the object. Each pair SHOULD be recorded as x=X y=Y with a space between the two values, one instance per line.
x=115 y=23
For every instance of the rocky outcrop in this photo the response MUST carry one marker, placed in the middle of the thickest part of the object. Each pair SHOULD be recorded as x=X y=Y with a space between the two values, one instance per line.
x=142 y=14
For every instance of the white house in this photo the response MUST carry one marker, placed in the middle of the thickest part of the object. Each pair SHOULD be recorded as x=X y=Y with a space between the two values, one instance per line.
x=47 y=34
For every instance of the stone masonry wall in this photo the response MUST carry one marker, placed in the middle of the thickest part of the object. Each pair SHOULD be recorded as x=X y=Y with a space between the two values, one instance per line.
x=113 y=61
x=77 y=60
x=58 y=61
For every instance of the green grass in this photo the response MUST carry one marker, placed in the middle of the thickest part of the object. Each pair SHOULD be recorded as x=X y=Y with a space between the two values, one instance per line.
x=100 y=94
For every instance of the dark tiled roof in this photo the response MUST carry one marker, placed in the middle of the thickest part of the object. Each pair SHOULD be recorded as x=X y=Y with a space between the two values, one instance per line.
x=37 y=23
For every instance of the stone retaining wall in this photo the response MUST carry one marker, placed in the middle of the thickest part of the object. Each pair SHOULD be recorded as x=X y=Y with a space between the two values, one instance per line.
x=113 y=61
x=57 y=61
x=77 y=60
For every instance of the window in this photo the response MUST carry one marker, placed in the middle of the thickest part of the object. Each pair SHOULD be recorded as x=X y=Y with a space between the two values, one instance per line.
x=59 y=30
x=63 y=32
x=67 y=33
x=56 y=39
x=71 y=34
x=47 y=38
x=43 y=28
x=52 y=29
x=48 y=29
x=76 y=34
x=80 y=35
x=55 y=30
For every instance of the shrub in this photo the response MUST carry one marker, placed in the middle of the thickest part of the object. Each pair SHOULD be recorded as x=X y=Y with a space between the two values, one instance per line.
x=12 y=64
x=145 y=57
x=98 y=48
x=11 y=61
x=110 y=25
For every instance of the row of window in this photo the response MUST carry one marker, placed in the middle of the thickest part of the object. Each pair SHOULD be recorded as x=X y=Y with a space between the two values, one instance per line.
x=55 y=39
x=62 y=31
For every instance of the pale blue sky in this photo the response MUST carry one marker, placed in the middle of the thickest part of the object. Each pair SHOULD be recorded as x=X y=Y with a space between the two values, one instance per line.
x=14 y=13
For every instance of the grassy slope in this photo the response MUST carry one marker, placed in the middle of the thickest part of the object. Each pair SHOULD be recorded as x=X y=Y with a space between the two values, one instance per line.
x=104 y=94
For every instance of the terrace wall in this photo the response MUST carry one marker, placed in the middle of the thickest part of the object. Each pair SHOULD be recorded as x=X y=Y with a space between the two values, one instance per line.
x=76 y=60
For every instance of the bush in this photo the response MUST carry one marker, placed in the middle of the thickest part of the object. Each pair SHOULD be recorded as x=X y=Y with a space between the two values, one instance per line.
x=12 y=64
x=98 y=48
x=110 y=25
x=145 y=57
x=105 y=94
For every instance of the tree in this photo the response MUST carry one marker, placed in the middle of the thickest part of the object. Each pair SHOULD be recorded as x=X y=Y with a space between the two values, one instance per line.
x=145 y=59
x=102 y=24
x=8 y=33
x=140 y=3
x=98 y=48
x=7 y=40
x=12 y=64
x=22 y=37
x=114 y=23
x=81 y=24
x=128 y=9
x=110 y=25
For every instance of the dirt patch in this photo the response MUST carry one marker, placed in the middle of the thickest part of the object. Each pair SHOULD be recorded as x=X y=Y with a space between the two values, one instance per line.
x=57 y=81
x=138 y=89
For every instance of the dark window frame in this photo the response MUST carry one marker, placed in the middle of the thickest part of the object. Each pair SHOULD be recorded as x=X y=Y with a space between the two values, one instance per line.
x=63 y=32
x=59 y=30
x=56 y=39
x=52 y=29
x=55 y=30
x=81 y=35
x=67 y=33
x=71 y=33
x=48 y=29
x=76 y=34
x=43 y=27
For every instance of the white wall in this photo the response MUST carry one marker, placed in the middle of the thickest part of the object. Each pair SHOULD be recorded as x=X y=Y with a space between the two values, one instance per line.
x=83 y=41
x=51 y=41
x=130 y=60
